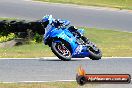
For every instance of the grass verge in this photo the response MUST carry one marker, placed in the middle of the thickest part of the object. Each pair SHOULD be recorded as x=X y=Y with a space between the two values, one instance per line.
x=121 y=4
x=112 y=43
x=40 y=85
x=46 y=85
x=6 y=18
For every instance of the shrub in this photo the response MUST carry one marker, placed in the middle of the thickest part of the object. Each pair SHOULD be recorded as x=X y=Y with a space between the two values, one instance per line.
x=37 y=38
x=9 y=37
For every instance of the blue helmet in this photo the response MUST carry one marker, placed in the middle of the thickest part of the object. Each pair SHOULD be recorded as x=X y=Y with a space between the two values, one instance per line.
x=48 y=18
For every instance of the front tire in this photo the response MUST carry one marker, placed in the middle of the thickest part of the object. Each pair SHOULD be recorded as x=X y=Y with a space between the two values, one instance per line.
x=61 y=50
x=94 y=52
x=95 y=56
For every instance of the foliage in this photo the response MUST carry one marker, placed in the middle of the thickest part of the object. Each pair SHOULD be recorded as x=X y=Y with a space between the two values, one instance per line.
x=7 y=38
x=37 y=38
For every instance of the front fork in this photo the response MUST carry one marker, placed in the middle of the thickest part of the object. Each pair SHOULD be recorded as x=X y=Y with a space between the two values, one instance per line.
x=86 y=40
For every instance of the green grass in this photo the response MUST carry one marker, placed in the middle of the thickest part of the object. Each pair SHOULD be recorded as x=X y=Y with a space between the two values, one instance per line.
x=46 y=85
x=112 y=43
x=122 y=4
x=31 y=50
x=6 y=18
x=40 y=85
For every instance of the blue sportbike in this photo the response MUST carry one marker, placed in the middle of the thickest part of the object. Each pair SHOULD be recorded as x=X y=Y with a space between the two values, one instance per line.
x=68 y=42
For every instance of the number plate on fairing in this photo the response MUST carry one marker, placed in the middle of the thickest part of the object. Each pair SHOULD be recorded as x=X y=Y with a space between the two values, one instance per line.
x=79 y=49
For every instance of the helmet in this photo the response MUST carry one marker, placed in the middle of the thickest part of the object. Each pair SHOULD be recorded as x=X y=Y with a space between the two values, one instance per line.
x=47 y=18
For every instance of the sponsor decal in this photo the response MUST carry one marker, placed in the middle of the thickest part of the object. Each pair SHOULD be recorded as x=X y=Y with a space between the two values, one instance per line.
x=83 y=78
x=78 y=49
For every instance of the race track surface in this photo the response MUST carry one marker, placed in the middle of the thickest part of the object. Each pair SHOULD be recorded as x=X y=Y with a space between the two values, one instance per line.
x=43 y=70
x=80 y=16
x=16 y=70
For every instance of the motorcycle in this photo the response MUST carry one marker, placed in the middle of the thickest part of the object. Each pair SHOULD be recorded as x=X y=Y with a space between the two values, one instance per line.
x=67 y=44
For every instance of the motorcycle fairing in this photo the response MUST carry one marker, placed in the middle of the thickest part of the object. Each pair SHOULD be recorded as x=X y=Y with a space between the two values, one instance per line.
x=81 y=52
x=61 y=34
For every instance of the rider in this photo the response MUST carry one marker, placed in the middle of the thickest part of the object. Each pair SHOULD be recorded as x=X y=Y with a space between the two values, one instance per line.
x=49 y=20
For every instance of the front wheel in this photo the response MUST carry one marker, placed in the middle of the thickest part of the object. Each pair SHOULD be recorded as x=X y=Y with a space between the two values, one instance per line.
x=94 y=52
x=61 y=50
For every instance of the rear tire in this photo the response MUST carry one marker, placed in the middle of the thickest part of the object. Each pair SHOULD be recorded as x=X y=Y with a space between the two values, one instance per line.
x=56 y=50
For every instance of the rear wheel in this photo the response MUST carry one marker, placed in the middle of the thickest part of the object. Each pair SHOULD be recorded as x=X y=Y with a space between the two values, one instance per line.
x=61 y=50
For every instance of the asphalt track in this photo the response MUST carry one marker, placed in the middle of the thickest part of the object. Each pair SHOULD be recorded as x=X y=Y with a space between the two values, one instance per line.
x=16 y=70
x=50 y=70
x=79 y=16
